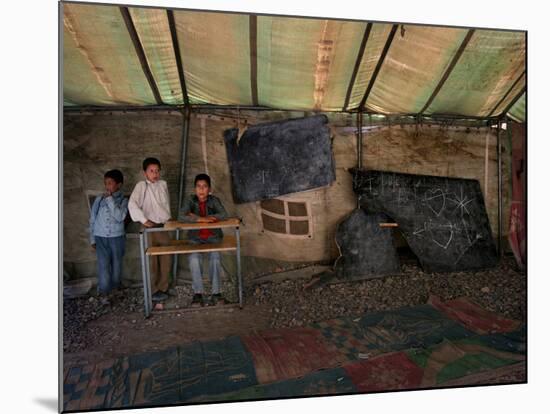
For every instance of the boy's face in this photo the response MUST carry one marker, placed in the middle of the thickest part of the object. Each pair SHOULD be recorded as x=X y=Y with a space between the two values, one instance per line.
x=111 y=186
x=202 y=189
x=152 y=173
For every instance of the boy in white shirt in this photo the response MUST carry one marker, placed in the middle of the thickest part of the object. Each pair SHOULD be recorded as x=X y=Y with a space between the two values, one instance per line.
x=150 y=205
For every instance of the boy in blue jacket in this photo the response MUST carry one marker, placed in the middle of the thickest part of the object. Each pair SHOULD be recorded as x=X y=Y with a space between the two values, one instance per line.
x=107 y=235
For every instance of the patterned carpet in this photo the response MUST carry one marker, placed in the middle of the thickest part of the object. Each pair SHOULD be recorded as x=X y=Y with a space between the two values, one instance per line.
x=439 y=344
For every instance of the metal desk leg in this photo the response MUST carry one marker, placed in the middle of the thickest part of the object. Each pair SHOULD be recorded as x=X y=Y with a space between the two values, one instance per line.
x=239 y=275
x=144 y=274
x=149 y=299
x=175 y=263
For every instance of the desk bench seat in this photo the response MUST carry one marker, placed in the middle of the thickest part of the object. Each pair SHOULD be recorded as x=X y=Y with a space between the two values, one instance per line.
x=229 y=243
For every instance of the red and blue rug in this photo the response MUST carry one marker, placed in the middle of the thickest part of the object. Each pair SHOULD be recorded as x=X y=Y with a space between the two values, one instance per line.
x=439 y=344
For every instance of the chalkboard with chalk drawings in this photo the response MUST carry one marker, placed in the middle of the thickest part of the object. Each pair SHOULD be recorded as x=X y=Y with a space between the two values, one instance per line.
x=277 y=158
x=443 y=219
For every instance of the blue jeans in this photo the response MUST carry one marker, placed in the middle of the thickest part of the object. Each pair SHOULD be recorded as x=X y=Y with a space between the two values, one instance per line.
x=110 y=251
x=214 y=263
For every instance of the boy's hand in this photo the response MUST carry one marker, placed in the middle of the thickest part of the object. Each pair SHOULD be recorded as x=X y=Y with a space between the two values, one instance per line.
x=149 y=224
x=93 y=246
x=107 y=194
x=206 y=220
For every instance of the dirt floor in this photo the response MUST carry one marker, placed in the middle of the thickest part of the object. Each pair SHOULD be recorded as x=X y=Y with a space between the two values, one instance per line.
x=94 y=332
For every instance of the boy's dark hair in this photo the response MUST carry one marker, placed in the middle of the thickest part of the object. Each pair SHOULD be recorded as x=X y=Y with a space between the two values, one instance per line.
x=203 y=177
x=115 y=175
x=148 y=161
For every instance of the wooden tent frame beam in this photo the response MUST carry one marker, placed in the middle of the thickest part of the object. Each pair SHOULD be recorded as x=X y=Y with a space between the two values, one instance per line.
x=506 y=94
x=198 y=107
x=358 y=61
x=140 y=52
x=253 y=36
x=378 y=66
x=450 y=68
x=177 y=53
x=513 y=102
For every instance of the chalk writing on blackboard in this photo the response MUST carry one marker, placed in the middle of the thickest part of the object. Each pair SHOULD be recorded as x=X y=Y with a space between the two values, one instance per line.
x=442 y=218
x=279 y=158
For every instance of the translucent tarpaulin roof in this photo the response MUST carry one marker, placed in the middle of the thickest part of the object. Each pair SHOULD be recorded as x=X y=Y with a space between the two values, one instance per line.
x=132 y=56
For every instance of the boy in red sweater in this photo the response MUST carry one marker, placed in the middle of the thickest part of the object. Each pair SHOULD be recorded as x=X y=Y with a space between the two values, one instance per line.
x=203 y=207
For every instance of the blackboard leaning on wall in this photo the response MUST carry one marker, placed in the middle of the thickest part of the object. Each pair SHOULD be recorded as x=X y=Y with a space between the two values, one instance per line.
x=443 y=219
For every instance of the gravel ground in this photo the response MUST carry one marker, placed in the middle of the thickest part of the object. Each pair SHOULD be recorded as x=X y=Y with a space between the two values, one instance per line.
x=126 y=305
x=77 y=312
x=502 y=290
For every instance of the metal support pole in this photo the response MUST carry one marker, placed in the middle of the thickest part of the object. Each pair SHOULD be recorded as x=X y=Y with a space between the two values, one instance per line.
x=144 y=274
x=175 y=263
x=184 y=140
x=359 y=140
x=359 y=145
x=239 y=275
x=147 y=281
x=183 y=156
x=509 y=155
x=499 y=166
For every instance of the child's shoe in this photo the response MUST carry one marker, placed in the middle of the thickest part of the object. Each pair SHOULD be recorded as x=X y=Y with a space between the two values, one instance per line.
x=159 y=296
x=217 y=298
x=197 y=300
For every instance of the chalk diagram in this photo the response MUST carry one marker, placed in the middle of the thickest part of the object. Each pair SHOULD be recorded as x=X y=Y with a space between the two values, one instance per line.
x=435 y=200
x=461 y=203
x=433 y=230
x=442 y=234
x=359 y=182
x=444 y=218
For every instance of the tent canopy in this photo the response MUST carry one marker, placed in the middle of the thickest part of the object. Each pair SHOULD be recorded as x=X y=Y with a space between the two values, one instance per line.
x=132 y=56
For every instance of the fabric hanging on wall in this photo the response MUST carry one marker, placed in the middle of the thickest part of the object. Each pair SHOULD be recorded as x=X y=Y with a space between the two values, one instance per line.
x=517 y=233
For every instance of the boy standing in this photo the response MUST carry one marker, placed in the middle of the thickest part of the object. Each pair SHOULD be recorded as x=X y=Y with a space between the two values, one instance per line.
x=107 y=234
x=203 y=207
x=150 y=205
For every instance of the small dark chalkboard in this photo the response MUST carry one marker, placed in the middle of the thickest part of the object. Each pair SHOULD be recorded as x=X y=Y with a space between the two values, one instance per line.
x=278 y=158
x=443 y=219
x=366 y=249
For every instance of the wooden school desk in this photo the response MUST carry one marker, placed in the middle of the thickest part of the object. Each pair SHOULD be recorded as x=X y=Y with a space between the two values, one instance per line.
x=229 y=243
